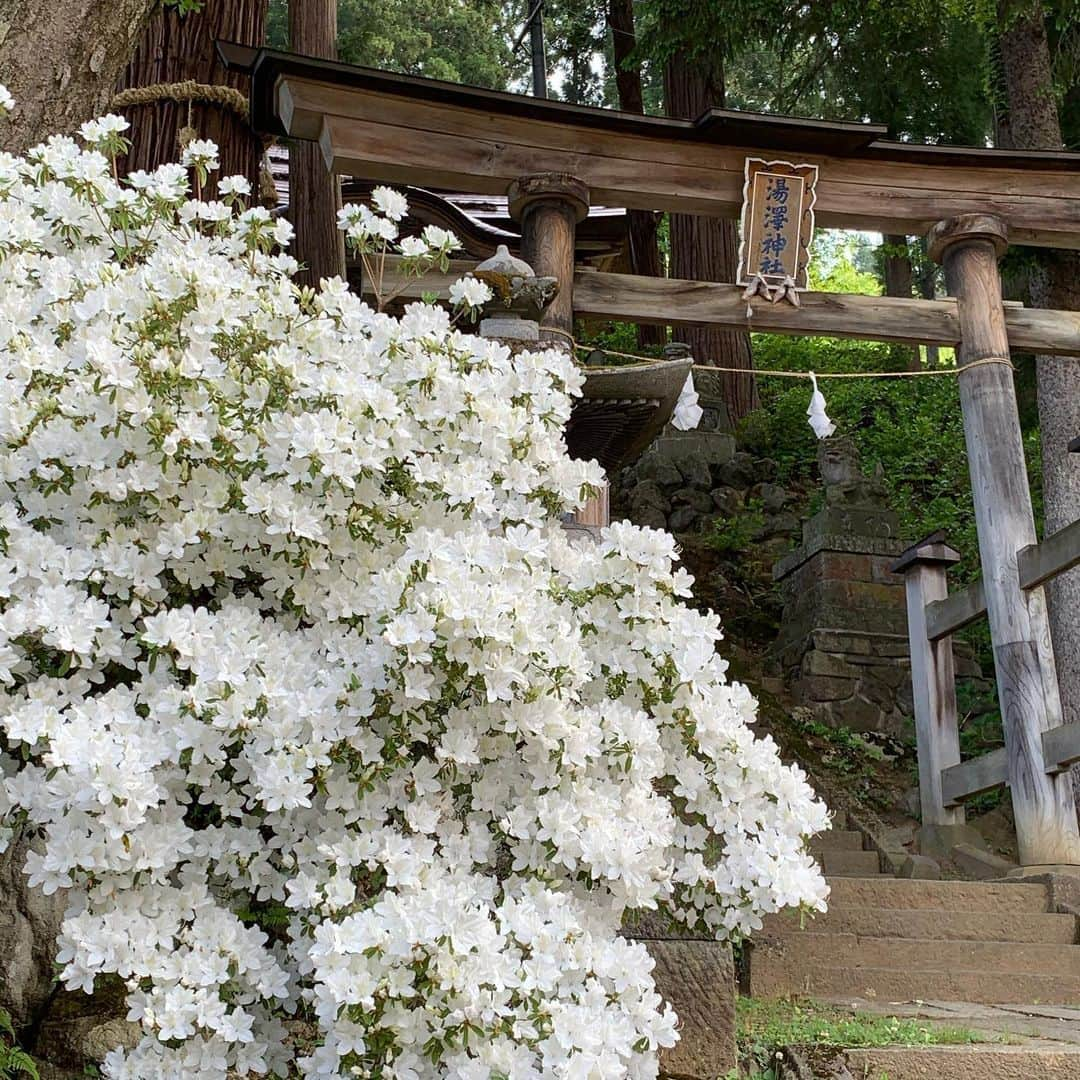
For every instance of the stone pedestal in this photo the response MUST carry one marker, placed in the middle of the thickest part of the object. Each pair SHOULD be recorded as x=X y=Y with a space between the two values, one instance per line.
x=843 y=640
x=696 y=976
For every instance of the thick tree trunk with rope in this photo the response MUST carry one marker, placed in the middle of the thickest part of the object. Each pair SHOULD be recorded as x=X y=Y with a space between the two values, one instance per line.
x=707 y=249
x=1033 y=123
x=314 y=194
x=175 y=49
x=61 y=59
x=641 y=225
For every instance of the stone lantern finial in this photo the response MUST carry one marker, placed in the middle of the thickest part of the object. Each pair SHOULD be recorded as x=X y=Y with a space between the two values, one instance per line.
x=519 y=300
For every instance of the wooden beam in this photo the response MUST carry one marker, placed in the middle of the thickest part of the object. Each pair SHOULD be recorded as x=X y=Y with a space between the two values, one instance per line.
x=957 y=610
x=675 y=302
x=1059 y=552
x=411 y=131
x=975 y=776
x=1061 y=746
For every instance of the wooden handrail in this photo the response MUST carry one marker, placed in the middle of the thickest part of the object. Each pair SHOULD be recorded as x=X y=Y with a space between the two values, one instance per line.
x=957 y=610
x=1054 y=555
x=1061 y=747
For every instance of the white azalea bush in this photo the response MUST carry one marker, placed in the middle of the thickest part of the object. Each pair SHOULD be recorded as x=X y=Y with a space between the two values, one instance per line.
x=317 y=708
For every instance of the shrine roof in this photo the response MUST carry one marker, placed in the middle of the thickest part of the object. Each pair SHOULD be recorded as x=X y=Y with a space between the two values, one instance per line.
x=771 y=132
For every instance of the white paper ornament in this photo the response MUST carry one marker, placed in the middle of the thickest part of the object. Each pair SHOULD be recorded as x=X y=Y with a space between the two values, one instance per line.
x=688 y=412
x=819 y=420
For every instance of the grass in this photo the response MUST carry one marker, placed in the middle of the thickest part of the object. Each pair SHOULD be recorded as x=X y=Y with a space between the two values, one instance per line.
x=764 y=1027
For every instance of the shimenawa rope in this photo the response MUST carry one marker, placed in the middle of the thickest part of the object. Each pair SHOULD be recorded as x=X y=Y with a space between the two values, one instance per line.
x=754 y=372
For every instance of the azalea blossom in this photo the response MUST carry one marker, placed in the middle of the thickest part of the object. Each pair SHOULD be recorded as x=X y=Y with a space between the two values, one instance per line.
x=314 y=705
x=470 y=292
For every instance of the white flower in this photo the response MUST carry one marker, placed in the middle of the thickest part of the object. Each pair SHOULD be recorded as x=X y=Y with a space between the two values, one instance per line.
x=470 y=292
x=200 y=153
x=413 y=247
x=390 y=203
x=234 y=185
x=440 y=239
x=7 y=102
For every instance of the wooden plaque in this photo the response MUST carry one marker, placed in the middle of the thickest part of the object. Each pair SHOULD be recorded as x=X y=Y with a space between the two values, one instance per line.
x=777 y=221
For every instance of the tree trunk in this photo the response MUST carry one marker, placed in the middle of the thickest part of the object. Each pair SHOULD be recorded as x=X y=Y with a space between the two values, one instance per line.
x=641 y=225
x=899 y=281
x=707 y=249
x=175 y=48
x=61 y=59
x=314 y=192
x=1033 y=123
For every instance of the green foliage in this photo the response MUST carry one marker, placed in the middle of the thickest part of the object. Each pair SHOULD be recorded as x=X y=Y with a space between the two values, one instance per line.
x=733 y=535
x=459 y=42
x=14 y=1062
x=765 y=1027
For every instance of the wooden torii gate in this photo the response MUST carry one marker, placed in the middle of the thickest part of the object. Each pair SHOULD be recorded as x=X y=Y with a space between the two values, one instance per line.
x=554 y=159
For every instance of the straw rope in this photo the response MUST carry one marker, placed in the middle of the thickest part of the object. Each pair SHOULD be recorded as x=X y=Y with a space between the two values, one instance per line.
x=984 y=361
x=227 y=97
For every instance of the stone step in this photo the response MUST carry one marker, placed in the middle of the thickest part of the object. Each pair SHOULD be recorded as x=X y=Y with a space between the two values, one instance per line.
x=979 y=1062
x=921 y=923
x=810 y=951
x=914 y=894
x=778 y=976
x=837 y=840
x=850 y=863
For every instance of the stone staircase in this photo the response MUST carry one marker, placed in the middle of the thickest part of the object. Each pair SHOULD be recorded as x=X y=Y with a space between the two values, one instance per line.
x=900 y=939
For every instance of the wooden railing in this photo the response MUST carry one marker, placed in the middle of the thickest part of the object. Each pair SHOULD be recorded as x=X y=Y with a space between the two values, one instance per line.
x=934 y=615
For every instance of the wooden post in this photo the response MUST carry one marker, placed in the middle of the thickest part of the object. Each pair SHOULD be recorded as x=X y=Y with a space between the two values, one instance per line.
x=933 y=679
x=314 y=192
x=549 y=207
x=969 y=247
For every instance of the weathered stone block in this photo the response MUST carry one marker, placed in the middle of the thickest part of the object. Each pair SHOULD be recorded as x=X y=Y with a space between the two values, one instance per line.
x=920 y=866
x=712 y=447
x=29 y=924
x=698 y=979
x=816 y=662
x=654 y=467
x=701 y=501
x=80 y=1029
x=695 y=472
x=774 y=498
x=823 y=688
x=738 y=471
x=937 y=841
x=778 y=525
x=727 y=500
x=683 y=519
x=648 y=493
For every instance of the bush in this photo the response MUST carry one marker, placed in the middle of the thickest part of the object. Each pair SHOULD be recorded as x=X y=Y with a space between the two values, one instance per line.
x=316 y=705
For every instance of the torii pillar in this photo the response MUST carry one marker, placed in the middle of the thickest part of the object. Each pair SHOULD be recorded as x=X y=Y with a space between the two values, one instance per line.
x=969 y=247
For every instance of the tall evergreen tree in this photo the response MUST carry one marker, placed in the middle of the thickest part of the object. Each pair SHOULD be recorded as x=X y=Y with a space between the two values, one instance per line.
x=1033 y=121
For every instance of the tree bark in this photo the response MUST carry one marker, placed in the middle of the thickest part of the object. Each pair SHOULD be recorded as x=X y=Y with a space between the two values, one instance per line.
x=314 y=192
x=641 y=225
x=61 y=61
x=899 y=281
x=175 y=48
x=707 y=249
x=1033 y=123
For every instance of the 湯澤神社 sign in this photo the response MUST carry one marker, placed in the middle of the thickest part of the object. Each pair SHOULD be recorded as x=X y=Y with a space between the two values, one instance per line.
x=777 y=222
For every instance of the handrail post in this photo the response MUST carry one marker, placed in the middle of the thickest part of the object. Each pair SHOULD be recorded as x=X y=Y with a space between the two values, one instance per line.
x=933 y=683
x=969 y=247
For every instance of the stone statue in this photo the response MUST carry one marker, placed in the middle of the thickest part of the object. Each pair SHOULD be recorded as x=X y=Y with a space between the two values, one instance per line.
x=845 y=483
